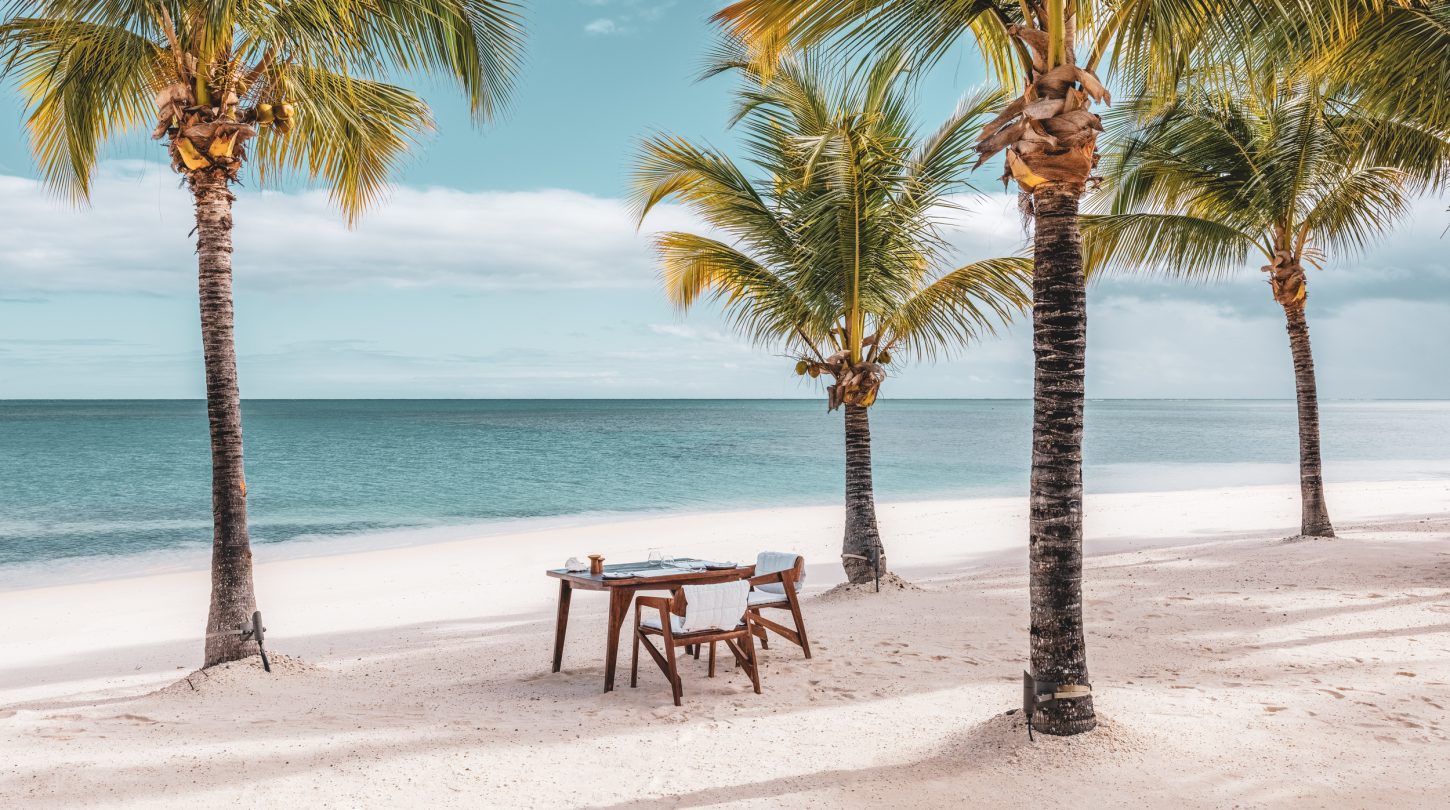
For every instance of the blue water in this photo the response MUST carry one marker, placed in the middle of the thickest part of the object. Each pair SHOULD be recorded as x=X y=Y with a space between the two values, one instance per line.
x=81 y=480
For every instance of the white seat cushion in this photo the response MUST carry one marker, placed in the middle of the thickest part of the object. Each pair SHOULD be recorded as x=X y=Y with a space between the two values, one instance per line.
x=677 y=624
x=652 y=621
x=763 y=597
x=770 y=562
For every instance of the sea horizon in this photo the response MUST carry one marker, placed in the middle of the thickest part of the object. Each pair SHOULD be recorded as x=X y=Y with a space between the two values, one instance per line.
x=708 y=399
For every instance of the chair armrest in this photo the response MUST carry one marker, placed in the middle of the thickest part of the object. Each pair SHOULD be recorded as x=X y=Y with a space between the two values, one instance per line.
x=766 y=579
x=660 y=603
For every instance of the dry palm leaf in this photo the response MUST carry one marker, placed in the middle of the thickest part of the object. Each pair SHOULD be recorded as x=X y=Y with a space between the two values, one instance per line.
x=1286 y=279
x=1049 y=133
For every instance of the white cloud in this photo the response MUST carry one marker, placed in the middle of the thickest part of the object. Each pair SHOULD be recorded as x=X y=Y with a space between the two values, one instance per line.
x=308 y=289
x=134 y=238
x=630 y=14
x=603 y=27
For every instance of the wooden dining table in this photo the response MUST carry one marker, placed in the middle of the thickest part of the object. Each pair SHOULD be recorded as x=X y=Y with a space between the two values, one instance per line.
x=647 y=576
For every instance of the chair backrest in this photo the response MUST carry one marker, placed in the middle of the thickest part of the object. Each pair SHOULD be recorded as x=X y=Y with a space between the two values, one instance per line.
x=769 y=562
x=720 y=606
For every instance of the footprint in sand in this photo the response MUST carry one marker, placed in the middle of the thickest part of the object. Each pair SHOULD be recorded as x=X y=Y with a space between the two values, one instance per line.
x=136 y=718
x=60 y=732
x=1337 y=695
x=1406 y=674
x=1275 y=709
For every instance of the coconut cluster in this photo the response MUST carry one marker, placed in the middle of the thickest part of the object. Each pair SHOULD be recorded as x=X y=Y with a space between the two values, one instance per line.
x=1049 y=133
x=856 y=383
x=1286 y=279
x=210 y=130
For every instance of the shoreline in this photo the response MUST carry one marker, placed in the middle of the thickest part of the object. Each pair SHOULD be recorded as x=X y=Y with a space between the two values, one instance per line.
x=29 y=575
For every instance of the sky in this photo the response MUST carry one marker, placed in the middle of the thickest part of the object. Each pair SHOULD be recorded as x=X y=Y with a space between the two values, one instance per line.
x=504 y=263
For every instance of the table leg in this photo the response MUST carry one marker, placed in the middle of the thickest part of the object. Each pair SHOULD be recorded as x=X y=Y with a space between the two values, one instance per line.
x=562 y=623
x=619 y=599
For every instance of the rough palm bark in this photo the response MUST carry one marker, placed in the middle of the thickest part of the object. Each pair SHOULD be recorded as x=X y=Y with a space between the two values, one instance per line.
x=232 y=597
x=1059 y=321
x=1315 y=518
x=862 y=538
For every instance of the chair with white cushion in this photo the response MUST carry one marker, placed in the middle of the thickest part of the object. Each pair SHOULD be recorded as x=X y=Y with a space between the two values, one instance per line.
x=695 y=615
x=775 y=585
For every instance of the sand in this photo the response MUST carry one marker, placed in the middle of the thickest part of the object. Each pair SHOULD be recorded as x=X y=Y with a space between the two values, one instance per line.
x=1232 y=668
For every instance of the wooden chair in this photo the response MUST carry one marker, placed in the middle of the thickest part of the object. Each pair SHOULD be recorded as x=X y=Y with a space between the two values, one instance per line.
x=668 y=619
x=774 y=587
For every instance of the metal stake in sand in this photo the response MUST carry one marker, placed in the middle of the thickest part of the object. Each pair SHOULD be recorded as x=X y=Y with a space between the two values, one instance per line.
x=873 y=556
x=256 y=631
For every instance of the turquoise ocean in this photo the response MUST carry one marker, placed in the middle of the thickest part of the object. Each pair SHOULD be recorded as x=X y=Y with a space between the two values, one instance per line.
x=105 y=488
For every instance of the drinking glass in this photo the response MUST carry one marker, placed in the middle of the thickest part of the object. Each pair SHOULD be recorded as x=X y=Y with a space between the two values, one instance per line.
x=655 y=558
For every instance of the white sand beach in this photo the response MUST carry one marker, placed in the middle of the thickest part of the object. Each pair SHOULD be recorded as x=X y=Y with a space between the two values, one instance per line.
x=1231 y=669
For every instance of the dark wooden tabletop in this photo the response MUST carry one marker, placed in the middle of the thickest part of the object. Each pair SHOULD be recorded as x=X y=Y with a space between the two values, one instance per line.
x=649 y=575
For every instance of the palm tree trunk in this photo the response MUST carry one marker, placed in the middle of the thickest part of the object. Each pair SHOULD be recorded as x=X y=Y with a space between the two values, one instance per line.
x=1059 y=328
x=1315 y=519
x=862 y=537
x=232 y=596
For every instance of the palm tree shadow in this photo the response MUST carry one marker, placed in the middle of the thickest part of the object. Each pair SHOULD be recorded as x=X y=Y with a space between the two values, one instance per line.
x=999 y=743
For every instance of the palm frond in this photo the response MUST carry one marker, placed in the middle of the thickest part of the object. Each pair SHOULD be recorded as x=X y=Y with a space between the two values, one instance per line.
x=1357 y=207
x=478 y=43
x=707 y=183
x=83 y=82
x=760 y=304
x=1174 y=245
x=960 y=307
x=350 y=133
x=1395 y=57
x=930 y=29
x=948 y=152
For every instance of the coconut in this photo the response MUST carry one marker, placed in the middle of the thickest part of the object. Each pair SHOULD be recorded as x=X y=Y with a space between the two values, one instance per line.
x=265 y=115
x=802 y=367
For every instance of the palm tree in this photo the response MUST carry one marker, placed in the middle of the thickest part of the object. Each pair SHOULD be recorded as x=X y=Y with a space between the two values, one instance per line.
x=1284 y=169
x=829 y=255
x=295 y=83
x=1049 y=134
